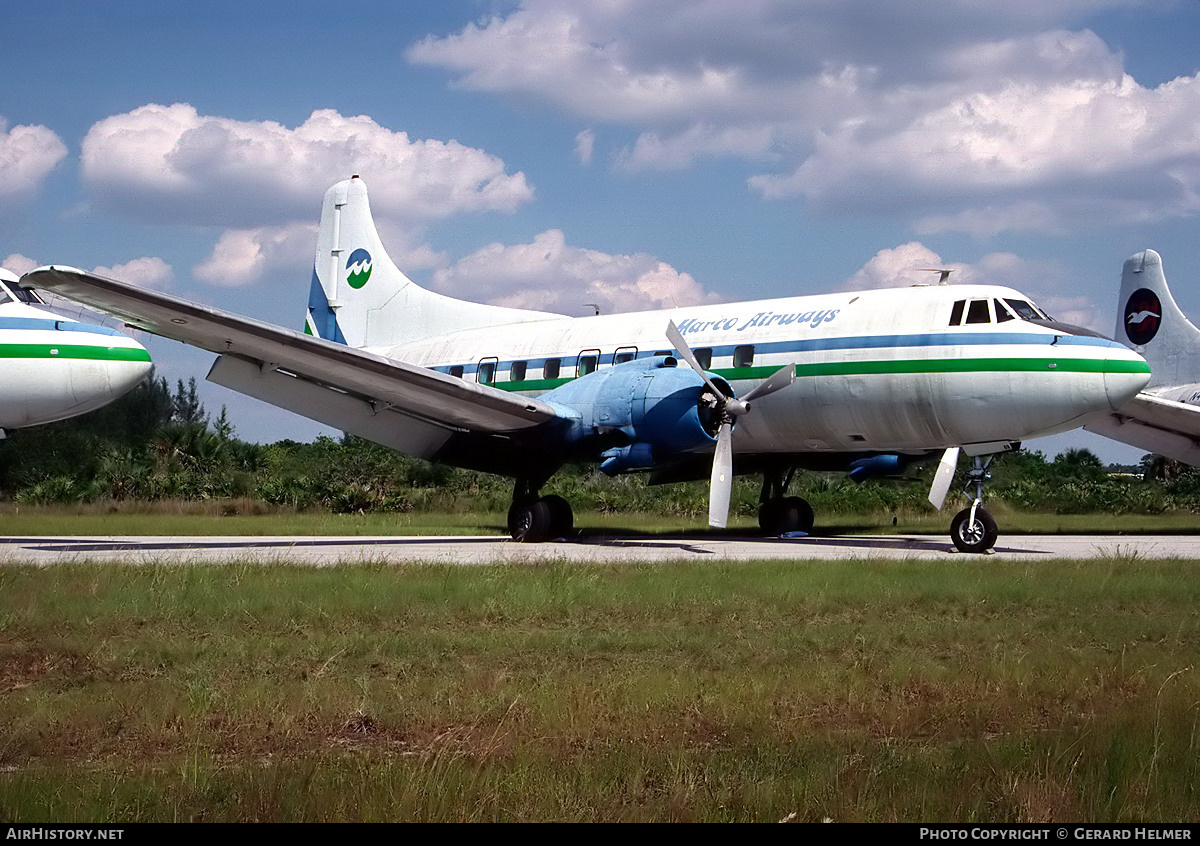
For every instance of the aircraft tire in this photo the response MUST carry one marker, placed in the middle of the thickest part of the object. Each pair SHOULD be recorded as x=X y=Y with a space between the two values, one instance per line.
x=979 y=536
x=796 y=515
x=786 y=514
x=562 y=519
x=530 y=522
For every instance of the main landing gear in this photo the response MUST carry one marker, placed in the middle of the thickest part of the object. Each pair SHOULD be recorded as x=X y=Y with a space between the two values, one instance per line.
x=533 y=518
x=973 y=529
x=779 y=514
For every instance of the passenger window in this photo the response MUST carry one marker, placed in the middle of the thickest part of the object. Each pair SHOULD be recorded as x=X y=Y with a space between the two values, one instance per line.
x=588 y=359
x=957 y=313
x=743 y=356
x=486 y=374
x=456 y=371
x=624 y=354
x=978 y=312
x=551 y=368
x=704 y=357
x=517 y=372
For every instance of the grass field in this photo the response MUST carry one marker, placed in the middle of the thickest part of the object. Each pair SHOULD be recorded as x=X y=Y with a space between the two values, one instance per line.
x=928 y=691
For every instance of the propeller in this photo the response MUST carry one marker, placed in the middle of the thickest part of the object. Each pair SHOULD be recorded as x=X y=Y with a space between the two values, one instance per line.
x=943 y=477
x=728 y=408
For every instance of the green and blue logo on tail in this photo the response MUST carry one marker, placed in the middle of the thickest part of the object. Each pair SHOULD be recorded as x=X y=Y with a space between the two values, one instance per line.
x=359 y=267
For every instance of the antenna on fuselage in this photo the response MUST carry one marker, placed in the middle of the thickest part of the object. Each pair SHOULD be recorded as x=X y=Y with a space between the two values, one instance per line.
x=943 y=272
x=593 y=306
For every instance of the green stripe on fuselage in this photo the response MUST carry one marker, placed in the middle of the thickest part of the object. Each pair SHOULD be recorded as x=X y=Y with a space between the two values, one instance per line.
x=78 y=351
x=899 y=366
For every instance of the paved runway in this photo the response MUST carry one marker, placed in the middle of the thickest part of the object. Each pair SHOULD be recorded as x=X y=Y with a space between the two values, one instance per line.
x=330 y=551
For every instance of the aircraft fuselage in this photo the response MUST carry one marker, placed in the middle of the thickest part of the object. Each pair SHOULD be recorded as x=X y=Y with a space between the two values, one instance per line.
x=881 y=370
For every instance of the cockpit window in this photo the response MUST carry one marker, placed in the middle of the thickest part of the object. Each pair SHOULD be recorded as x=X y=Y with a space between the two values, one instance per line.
x=978 y=312
x=1025 y=311
x=1003 y=312
x=4 y=297
x=19 y=293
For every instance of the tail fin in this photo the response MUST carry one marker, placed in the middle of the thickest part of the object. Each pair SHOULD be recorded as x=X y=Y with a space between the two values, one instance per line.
x=360 y=298
x=1152 y=323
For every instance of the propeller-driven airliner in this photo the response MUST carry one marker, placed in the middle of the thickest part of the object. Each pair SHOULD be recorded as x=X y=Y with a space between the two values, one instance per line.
x=1165 y=417
x=52 y=367
x=861 y=381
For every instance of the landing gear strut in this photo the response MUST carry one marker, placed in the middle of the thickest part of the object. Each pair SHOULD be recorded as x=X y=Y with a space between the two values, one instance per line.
x=779 y=514
x=533 y=518
x=973 y=529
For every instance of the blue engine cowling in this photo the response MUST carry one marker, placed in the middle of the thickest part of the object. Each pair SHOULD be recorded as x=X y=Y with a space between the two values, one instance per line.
x=641 y=413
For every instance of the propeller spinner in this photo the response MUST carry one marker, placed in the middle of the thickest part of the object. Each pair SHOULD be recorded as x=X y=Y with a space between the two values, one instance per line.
x=728 y=408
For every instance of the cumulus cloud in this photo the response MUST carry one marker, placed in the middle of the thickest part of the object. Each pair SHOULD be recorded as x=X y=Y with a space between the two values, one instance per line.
x=148 y=272
x=966 y=115
x=27 y=155
x=19 y=264
x=172 y=163
x=550 y=275
x=242 y=256
x=585 y=146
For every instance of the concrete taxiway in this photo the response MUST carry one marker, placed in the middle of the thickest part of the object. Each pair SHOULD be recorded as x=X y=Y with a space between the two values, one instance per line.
x=331 y=551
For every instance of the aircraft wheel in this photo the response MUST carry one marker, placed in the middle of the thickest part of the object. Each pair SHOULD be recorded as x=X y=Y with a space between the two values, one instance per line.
x=562 y=519
x=788 y=514
x=530 y=522
x=796 y=515
x=768 y=516
x=977 y=536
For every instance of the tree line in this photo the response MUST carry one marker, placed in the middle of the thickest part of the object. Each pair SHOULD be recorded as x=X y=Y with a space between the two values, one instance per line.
x=159 y=444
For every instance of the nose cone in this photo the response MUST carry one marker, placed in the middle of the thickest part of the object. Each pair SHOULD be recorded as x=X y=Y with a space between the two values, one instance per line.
x=1125 y=374
x=106 y=365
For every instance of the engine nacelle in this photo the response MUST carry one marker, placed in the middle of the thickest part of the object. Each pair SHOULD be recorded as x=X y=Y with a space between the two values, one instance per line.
x=641 y=413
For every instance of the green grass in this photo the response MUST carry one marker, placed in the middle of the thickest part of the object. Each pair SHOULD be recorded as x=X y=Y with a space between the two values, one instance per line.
x=853 y=691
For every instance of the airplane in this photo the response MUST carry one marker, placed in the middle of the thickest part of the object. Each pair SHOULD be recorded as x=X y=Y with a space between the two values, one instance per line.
x=865 y=381
x=1165 y=417
x=52 y=367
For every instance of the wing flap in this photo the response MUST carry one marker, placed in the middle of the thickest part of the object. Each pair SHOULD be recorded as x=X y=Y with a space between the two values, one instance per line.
x=384 y=382
x=1156 y=425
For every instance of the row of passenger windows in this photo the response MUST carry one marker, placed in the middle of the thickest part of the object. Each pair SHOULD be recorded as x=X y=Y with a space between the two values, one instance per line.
x=587 y=362
x=966 y=312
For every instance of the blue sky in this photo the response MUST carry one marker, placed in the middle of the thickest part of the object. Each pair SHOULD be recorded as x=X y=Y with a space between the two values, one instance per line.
x=638 y=153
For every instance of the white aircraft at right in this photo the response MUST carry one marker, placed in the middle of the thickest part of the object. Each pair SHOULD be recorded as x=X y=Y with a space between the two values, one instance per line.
x=1164 y=418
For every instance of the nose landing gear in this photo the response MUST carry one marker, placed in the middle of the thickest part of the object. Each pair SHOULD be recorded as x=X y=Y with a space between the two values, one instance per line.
x=973 y=529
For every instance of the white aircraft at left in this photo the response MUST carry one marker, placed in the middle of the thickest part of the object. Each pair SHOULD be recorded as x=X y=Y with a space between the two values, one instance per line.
x=52 y=367
x=864 y=382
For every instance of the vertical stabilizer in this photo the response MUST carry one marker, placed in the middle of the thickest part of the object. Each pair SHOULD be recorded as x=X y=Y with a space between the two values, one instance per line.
x=1150 y=321
x=360 y=298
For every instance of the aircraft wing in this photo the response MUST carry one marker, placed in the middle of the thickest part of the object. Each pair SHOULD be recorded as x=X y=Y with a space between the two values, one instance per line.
x=1157 y=425
x=355 y=390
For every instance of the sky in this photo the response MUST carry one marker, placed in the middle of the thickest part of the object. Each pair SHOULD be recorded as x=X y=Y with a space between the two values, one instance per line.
x=631 y=153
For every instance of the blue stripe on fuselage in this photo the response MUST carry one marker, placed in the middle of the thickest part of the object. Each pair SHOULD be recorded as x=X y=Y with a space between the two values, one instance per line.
x=54 y=324
x=854 y=342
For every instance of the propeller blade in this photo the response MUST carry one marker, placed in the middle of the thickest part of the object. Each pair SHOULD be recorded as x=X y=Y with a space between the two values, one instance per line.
x=676 y=339
x=943 y=477
x=778 y=380
x=720 y=487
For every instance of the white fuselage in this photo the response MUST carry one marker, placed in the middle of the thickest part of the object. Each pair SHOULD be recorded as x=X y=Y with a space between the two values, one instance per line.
x=52 y=368
x=876 y=370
